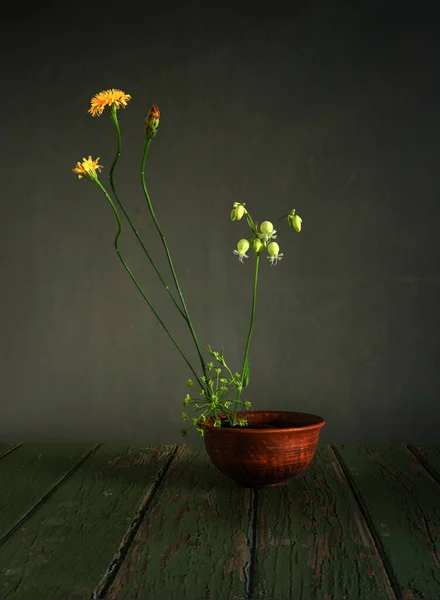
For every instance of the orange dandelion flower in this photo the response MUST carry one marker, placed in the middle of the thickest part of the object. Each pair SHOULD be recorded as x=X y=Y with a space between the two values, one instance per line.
x=87 y=168
x=106 y=100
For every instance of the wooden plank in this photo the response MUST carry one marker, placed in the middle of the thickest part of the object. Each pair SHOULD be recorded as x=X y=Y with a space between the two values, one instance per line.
x=403 y=504
x=193 y=542
x=312 y=541
x=65 y=548
x=429 y=456
x=27 y=474
x=6 y=449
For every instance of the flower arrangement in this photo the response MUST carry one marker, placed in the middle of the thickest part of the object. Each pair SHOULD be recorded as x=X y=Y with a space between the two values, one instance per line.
x=218 y=383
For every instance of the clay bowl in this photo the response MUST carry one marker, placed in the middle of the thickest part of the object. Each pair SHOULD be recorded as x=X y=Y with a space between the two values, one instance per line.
x=275 y=446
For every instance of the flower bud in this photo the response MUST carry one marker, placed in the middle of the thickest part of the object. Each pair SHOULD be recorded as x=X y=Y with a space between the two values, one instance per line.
x=294 y=220
x=257 y=245
x=273 y=249
x=238 y=211
x=266 y=227
x=243 y=246
x=152 y=121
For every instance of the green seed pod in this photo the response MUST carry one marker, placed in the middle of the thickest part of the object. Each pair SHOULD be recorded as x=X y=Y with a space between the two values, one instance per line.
x=295 y=222
x=266 y=227
x=238 y=211
x=243 y=246
x=257 y=245
x=273 y=249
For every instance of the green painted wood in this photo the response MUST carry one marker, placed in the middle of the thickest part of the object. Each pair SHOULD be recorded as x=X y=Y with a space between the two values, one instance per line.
x=28 y=473
x=313 y=542
x=429 y=456
x=403 y=504
x=65 y=548
x=6 y=449
x=193 y=542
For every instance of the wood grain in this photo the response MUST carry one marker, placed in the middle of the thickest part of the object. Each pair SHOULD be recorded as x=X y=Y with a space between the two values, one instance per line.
x=6 y=449
x=65 y=548
x=429 y=456
x=312 y=540
x=403 y=504
x=150 y=523
x=193 y=542
x=28 y=473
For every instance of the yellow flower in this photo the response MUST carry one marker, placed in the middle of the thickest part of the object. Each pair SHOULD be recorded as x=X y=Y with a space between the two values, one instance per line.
x=106 y=99
x=87 y=168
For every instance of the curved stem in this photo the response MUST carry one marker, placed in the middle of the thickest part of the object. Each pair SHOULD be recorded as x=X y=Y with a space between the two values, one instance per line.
x=150 y=206
x=248 y=341
x=114 y=118
x=101 y=187
x=283 y=217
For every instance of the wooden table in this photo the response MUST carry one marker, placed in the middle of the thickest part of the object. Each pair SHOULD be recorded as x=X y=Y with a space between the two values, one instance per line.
x=161 y=523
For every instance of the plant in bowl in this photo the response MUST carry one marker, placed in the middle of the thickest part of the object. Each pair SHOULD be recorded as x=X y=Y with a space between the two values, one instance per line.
x=255 y=448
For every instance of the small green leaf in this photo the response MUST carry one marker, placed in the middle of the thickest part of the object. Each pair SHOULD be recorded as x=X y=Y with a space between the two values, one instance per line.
x=251 y=226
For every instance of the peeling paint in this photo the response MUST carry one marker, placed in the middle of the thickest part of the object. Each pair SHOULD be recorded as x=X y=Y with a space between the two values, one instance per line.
x=176 y=548
x=184 y=510
x=359 y=530
x=236 y=563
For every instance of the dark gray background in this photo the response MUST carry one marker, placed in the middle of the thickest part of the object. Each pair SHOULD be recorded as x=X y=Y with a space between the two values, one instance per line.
x=328 y=107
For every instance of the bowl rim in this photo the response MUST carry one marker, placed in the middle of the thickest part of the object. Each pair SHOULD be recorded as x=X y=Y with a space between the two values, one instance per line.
x=320 y=422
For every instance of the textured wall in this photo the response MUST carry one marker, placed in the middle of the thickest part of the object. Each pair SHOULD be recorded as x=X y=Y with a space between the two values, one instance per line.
x=331 y=108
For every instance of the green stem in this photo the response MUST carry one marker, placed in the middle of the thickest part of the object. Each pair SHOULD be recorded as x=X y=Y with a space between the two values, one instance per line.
x=114 y=118
x=226 y=412
x=150 y=206
x=283 y=217
x=248 y=342
x=101 y=187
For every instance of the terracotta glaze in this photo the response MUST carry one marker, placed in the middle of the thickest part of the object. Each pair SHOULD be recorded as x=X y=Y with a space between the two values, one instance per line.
x=275 y=446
